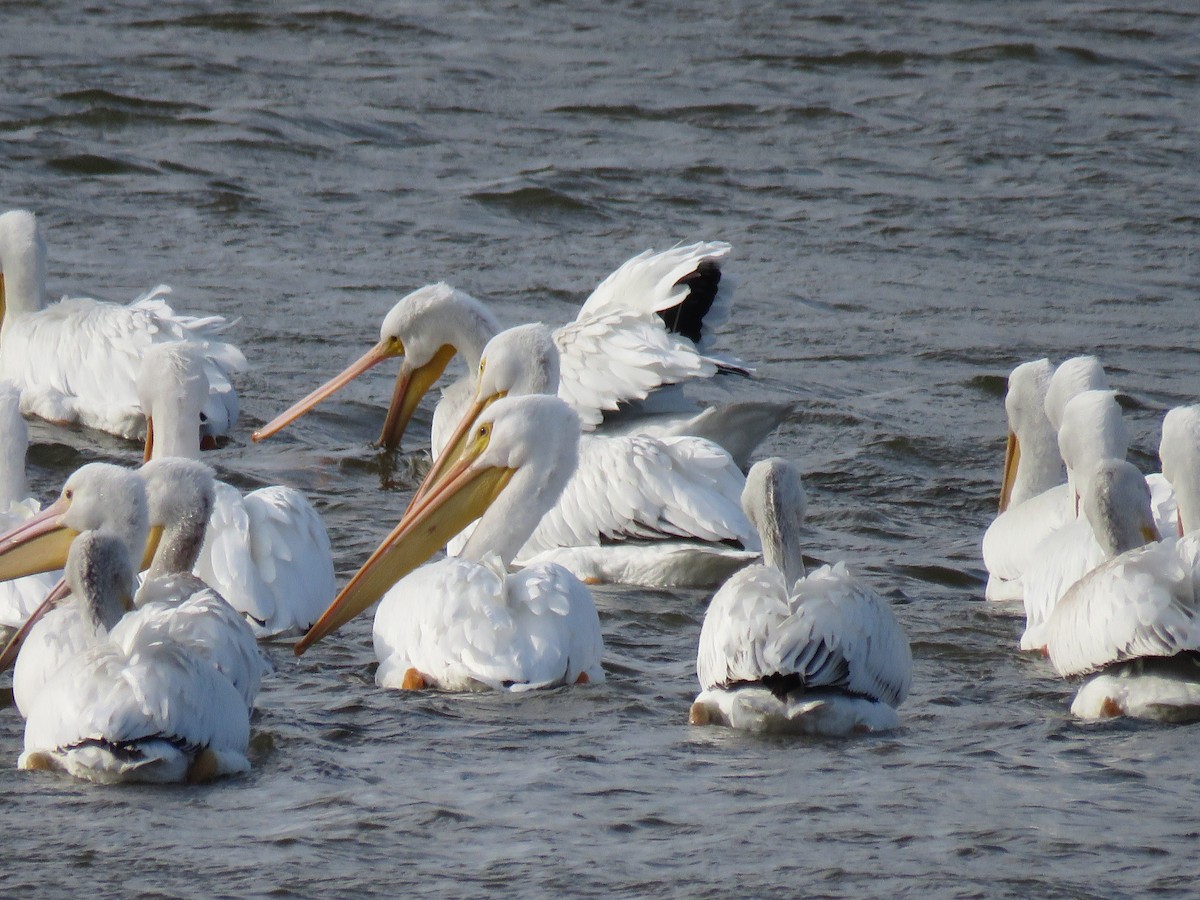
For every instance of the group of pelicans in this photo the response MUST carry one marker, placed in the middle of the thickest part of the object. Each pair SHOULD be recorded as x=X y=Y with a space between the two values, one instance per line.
x=1106 y=563
x=562 y=458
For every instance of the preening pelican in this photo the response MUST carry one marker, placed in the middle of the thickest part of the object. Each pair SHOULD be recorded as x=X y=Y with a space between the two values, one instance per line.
x=267 y=553
x=1034 y=503
x=660 y=512
x=139 y=707
x=642 y=328
x=20 y=597
x=779 y=651
x=1133 y=624
x=461 y=623
x=171 y=495
x=77 y=360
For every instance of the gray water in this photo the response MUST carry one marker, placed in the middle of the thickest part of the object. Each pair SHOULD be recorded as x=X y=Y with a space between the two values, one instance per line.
x=920 y=195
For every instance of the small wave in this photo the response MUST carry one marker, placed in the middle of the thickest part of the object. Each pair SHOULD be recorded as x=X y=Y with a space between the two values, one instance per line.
x=95 y=164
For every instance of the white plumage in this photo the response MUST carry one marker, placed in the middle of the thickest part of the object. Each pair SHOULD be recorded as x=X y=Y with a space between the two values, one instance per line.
x=267 y=552
x=1033 y=503
x=638 y=509
x=778 y=651
x=640 y=330
x=21 y=596
x=462 y=623
x=1134 y=622
x=78 y=360
x=134 y=705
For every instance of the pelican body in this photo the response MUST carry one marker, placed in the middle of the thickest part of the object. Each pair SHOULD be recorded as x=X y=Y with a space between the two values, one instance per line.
x=782 y=652
x=463 y=623
x=131 y=705
x=76 y=361
x=1131 y=627
x=267 y=553
x=661 y=512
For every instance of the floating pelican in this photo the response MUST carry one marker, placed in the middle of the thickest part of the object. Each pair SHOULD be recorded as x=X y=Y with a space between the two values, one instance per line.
x=660 y=512
x=641 y=329
x=21 y=597
x=779 y=651
x=77 y=360
x=267 y=553
x=1093 y=430
x=136 y=706
x=1034 y=503
x=461 y=623
x=1133 y=623
x=173 y=496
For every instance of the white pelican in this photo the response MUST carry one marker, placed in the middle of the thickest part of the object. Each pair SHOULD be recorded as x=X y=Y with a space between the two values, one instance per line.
x=77 y=360
x=1133 y=624
x=134 y=707
x=779 y=651
x=461 y=623
x=267 y=553
x=1093 y=430
x=21 y=597
x=641 y=329
x=660 y=512
x=1034 y=503
x=159 y=512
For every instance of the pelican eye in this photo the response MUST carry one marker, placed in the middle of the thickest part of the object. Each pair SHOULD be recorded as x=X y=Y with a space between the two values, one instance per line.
x=483 y=431
x=68 y=494
x=482 y=365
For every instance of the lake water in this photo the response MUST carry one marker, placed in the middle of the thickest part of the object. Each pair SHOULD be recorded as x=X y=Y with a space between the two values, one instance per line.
x=920 y=196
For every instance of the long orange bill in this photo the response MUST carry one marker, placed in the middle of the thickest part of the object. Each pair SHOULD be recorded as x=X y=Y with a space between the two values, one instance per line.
x=148 y=453
x=455 y=447
x=8 y=655
x=39 y=544
x=461 y=496
x=1012 y=457
x=411 y=385
x=385 y=349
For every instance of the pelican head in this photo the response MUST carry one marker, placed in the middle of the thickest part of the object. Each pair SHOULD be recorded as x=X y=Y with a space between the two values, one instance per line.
x=1117 y=506
x=426 y=328
x=1024 y=405
x=520 y=454
x=517 y=362
x=775 y=503
x=179 y=500
x=22 y=263
x=1073 y=376
x=1093 y=428
x=172 y=390
x=97 y=496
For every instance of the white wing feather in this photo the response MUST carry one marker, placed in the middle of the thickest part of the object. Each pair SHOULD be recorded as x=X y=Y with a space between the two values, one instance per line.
x=465 y=624
x=78 y=360
x=642 y=488
x=1143 y=603
x=268 y=554
x=832 y=631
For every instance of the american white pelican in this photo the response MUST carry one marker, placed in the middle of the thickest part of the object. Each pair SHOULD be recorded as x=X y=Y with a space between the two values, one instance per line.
x=20 y=597
x=660 y=512
x=77 y=360
x=160 y=512
x=1034 y=503
x=1133 y=624
x=1093 y=429
x=140 y=707
x=779 y=651
x=642 y=328
x=461 y=623
x=267 y=553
